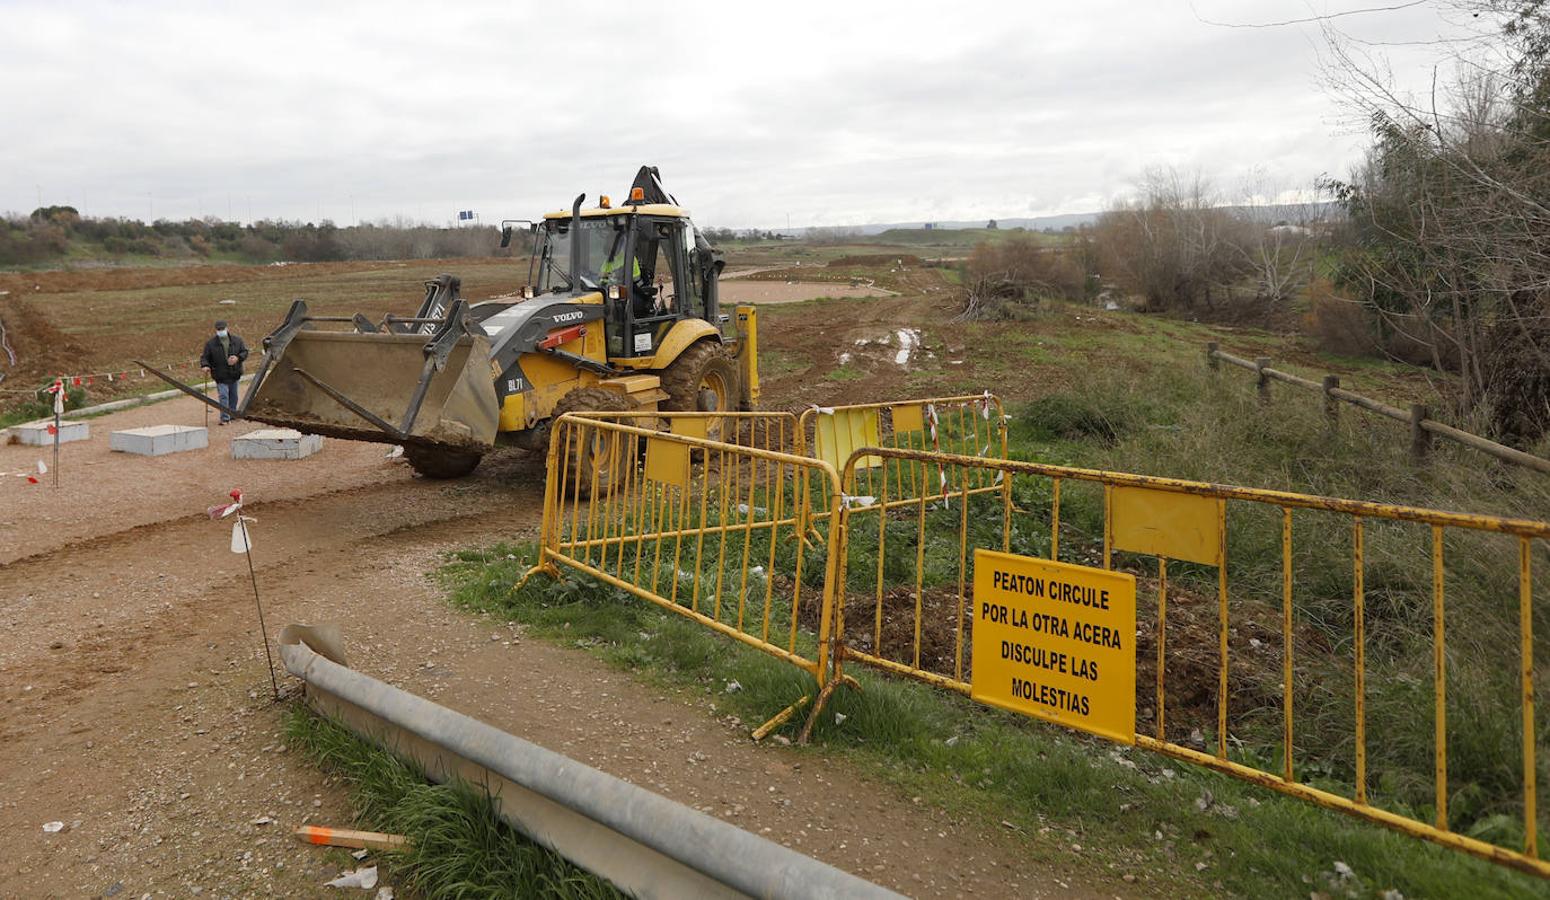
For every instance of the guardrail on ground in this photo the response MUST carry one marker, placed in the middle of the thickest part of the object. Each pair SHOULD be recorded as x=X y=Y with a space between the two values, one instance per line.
x=910 y=608
x=646 y=844
x=1422 y=426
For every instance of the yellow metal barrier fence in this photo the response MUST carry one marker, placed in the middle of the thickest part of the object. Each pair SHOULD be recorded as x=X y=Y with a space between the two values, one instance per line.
x=905 y=604
x=764 y=430
x=969 y=425
x=711 y=531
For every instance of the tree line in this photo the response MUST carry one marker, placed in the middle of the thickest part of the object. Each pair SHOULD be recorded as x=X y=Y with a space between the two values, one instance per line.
x=1434 y=251
x=51 y=234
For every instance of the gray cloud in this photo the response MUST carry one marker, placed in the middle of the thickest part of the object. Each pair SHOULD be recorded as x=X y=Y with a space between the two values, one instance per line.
x=826 y=113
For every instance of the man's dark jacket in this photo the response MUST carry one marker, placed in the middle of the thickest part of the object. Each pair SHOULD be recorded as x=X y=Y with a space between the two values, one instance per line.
x=214 y=358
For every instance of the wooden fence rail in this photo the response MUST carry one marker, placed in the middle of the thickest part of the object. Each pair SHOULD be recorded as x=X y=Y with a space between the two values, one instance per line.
x=1422 y=427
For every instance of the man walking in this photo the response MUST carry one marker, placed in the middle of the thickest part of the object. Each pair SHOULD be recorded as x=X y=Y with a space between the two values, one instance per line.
x=222 y=360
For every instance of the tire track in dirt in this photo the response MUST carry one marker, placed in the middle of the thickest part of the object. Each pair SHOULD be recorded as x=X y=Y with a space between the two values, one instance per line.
x=151 y=584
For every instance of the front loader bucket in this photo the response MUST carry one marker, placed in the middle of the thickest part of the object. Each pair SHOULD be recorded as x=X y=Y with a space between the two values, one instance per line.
x=381 y=386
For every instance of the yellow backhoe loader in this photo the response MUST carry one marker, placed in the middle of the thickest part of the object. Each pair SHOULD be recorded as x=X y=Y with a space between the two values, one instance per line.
x=620 y=313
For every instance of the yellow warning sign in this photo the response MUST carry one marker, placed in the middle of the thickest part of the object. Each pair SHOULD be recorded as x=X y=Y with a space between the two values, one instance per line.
x=1056 y=641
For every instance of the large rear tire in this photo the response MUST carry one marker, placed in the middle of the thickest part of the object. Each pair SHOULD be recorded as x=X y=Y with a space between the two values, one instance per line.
x=703 y=379
x=441 y=463
x=595 y=458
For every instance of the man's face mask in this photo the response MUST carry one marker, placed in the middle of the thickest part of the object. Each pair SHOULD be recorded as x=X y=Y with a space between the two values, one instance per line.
x=221 y=333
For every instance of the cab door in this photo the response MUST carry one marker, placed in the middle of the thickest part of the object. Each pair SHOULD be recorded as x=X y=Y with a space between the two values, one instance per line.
x=665 y=291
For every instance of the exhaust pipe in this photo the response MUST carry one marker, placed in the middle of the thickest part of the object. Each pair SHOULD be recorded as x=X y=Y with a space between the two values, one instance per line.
x=575 y=241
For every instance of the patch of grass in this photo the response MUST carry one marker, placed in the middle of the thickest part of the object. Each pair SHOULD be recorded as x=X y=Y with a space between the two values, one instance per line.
x=775 y=363
x=845 y=372
x=1067 y=416
x=458 y=846
x=1132 y=811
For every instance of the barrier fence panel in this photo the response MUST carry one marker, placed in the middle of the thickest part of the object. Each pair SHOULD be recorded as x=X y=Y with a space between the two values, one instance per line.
x=969 y=425
x=711 y=531
x=765 y=430
x=1371 y=658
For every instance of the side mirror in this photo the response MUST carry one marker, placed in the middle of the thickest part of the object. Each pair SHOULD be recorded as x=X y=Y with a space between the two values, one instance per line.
x=506 y=237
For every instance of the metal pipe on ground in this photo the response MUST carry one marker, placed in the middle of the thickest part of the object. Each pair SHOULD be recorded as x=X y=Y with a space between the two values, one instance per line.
x=646 y=844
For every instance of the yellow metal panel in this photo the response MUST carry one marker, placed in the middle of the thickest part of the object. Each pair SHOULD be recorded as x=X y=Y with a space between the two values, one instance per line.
x=839 y=434
x=631 y=384
x=683 y=333
x=908 y=417
x=667 y=462
x=693 y=426
x=513 y=410
x=1056 y=641
x=1164 y=523
x=748 y=353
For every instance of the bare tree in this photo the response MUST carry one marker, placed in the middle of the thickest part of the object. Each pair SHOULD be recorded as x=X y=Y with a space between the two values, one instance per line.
x=1448 y=243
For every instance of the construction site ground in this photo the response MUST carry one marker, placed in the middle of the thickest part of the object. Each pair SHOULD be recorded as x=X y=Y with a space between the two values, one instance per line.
x=134 y=694
x=134 y=700
x=136 y=703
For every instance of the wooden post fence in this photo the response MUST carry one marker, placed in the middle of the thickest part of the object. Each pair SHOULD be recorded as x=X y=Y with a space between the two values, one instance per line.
x=1423 y=429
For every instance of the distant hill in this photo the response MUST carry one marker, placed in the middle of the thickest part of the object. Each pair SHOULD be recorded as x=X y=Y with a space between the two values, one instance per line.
x=1291 y=212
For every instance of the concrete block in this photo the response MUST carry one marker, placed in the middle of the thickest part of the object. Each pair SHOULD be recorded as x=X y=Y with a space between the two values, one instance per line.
x=159 y=440
x=275 y=443
x=36 y=433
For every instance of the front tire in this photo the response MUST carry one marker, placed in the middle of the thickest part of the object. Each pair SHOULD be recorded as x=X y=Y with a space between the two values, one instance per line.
x=595 y=458
x=703 y=379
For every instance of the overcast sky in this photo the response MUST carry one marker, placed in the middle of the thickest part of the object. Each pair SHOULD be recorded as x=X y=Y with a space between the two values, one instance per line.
x=827 y=113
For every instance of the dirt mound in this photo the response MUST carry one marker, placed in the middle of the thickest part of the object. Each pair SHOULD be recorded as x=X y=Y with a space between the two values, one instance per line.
x=41 y=348
x=875 y=259
x=939 y=613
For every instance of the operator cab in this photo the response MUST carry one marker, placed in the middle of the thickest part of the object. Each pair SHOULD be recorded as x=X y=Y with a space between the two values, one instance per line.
x=643 y=259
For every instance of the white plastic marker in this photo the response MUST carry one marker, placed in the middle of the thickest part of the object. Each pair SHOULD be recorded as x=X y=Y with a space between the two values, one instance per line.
x=59 y=410
x=242 y=542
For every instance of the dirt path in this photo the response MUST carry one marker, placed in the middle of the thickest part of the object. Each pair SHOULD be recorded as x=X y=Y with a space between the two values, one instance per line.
x=764 y=293
x=134 y=699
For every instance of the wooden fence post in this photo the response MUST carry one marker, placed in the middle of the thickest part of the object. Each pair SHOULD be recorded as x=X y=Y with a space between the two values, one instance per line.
x=1261 y=363
x=1211 y=361
x=1331 y=403
x=1420 y=438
